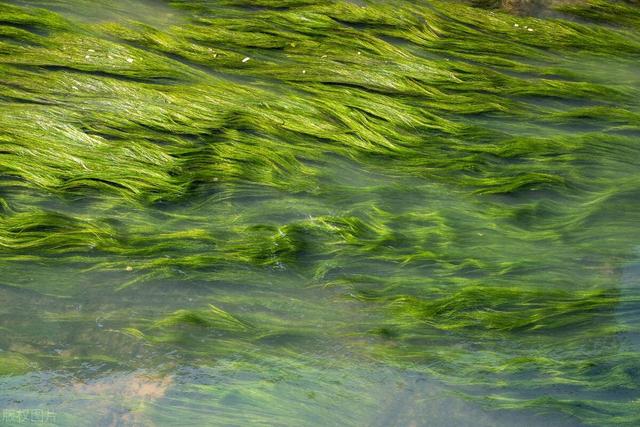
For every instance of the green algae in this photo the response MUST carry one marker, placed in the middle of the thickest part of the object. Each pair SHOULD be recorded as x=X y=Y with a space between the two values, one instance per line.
x=426 y=189
x=14 y=364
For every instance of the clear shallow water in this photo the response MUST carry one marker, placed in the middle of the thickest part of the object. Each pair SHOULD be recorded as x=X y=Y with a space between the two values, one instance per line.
x=354 y=288
x=150 y=12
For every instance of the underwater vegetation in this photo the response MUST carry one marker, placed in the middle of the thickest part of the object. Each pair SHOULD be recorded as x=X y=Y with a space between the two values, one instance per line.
x=320 y=212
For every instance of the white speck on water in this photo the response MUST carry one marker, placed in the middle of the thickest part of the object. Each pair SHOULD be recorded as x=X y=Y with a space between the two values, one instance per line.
x=323 y=56
x=516 y=25
x=91 y=50
x=110 y=57
x=87 y=57
x=215 y=55
x=74 y=87
x=246 y=59
x=529 y=29
x=359 y=53
x=129 y=60
x=129 y=268
x=304 y=71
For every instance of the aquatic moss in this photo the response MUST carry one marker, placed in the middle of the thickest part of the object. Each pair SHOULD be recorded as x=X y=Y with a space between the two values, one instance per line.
x=429 y=189
x=14 y=364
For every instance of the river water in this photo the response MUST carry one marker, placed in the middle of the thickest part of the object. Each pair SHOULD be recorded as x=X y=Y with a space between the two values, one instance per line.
x=277 y=240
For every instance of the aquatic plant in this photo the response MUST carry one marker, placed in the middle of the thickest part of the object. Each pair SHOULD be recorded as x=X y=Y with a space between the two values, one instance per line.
x=274 y=203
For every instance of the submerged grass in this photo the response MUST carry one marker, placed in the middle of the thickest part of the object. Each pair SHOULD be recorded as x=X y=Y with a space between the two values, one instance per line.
x=459 y=178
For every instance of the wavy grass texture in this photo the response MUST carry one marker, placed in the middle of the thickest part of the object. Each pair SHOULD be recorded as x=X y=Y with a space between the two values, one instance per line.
x=320 y=212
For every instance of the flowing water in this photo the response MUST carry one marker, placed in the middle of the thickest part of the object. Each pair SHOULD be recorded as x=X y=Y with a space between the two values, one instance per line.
x=303 y=212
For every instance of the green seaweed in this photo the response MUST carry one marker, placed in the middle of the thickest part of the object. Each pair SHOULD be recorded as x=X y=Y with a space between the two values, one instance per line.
x=293 y=211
